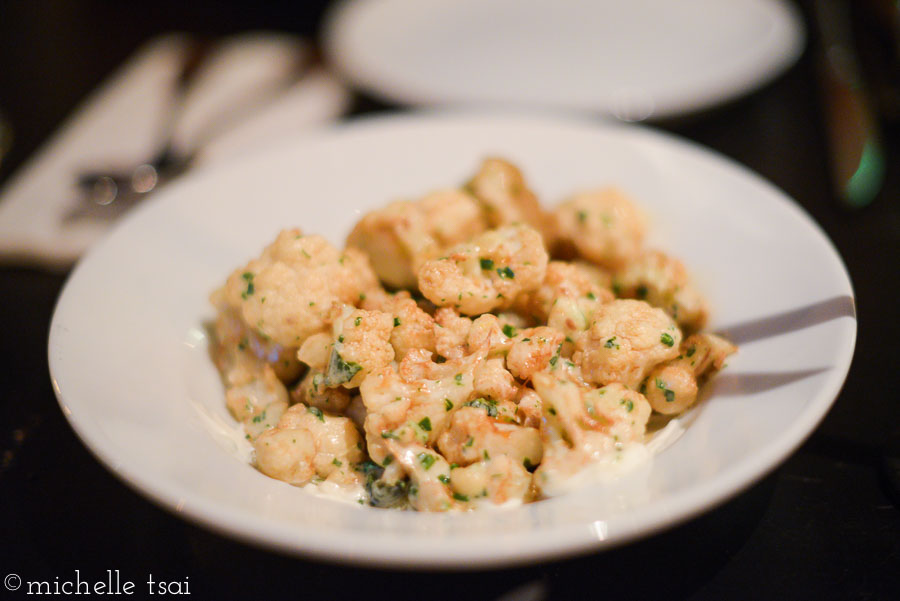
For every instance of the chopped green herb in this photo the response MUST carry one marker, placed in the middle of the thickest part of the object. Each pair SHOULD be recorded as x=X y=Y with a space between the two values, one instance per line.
x=486 y=456
x=489 y=405
x=444 y=478
x=305 y=254
x=317 y=412
x=396 y=321
x=341 y=338
x=425 y=423
x=487 y=264
x=667 y=339
x=506 y=273
x=526 y=340
x=629 y=405
x=611 y=343
x=551 y=411
x=357 y=321
x=340 y=371
x=448 y=404
x=642 y=291
x=669 y=394
x=259 y=418
x=509 y=331
x=554 y=359
x=336 y=462
x=248 y=277
x=592 y=296
x=388 y=434
x=469 y=442
x=426 y=460
x=387 y=460
x=460 y=497
x=458 y=378
x=453 y=466
x=691 y=351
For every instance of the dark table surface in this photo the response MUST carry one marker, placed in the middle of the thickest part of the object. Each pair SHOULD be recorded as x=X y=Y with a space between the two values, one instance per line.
x=824 y=525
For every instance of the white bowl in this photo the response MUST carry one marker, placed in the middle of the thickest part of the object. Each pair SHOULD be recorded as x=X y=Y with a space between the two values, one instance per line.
x=637 y=59
x=129 y=360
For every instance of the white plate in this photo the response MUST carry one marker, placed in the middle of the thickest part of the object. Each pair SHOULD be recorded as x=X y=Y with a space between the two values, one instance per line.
x=129 y=360
x=635 y=59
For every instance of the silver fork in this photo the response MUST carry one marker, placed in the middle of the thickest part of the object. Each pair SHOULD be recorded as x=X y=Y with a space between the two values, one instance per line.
x=106 y=195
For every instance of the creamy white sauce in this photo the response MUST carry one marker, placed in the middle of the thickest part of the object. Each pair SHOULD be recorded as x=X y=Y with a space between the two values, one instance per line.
x=664 y=438
x=611 y=466
x=346 y=493
x=605 y=469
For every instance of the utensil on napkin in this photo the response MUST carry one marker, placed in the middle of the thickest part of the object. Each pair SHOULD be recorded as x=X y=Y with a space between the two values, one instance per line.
x=119 y=126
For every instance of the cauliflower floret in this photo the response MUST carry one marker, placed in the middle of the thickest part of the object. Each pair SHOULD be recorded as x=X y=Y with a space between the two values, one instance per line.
x=312 y=391
x=584 y=426
x=672 y=386
x=450 y=333
x=626 y=339
x=534 y=350
x=316 y=351
x=505 y=197
x=236 y=345
x=413 y=327
x=361 y=345
x=487 y=272
x=412 y=401
x=663 y=282
x=497 y=480
x=493 y=381
x=288 y=293
x=307 y=442
x=563 y=280
x=429 y=475
x=400 y=236
x=529 y=408
x=603 y=226
x=456 y=336
x=453 y=216
x=256 y=397
x=475 y=434
x=487 y=333
x=572 y=316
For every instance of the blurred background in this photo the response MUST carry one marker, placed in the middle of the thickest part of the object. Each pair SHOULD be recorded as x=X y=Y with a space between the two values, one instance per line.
x=820 y=118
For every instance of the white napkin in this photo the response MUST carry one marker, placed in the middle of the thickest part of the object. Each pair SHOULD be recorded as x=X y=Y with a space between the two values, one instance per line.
x=232 y=108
